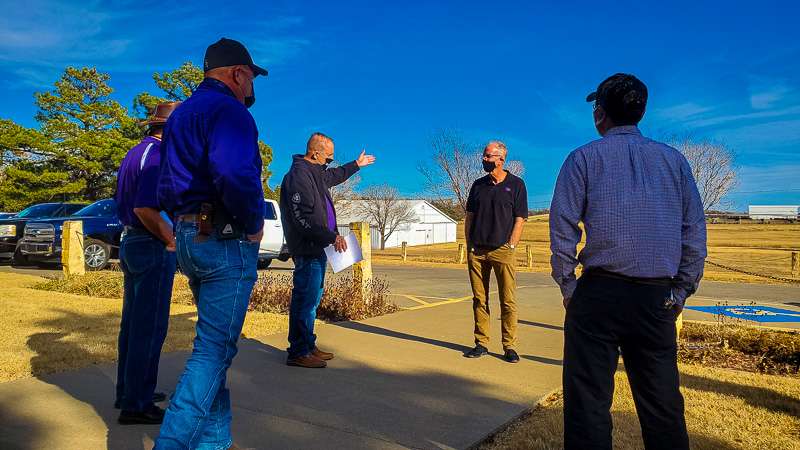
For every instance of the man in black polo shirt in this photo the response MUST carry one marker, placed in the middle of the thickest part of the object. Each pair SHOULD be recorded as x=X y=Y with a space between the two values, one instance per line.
x=497 y=207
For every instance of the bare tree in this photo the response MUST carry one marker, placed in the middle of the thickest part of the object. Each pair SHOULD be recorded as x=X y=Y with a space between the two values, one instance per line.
x=343 y=194
x=383 y=207
x=454 y=165
x=713 y=170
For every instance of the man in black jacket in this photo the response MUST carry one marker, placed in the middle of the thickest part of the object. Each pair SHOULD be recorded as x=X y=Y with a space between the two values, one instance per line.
x=309 y=223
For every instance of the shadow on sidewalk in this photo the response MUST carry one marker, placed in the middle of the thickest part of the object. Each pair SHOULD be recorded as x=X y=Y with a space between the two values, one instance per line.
x=358 y=326
x=314 y=408
x=82 y=339
x=541 y=325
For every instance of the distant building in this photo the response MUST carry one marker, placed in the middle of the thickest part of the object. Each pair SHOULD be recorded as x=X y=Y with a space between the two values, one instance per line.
x=430 y=225
x=764 y=212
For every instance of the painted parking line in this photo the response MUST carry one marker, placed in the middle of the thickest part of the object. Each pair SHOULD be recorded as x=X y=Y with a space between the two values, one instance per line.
x=449 y=301
x=415 y=299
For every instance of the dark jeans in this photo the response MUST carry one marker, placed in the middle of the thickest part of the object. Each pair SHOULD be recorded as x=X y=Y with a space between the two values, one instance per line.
x=221 y=274
x=148 y=269
x=308 y=281
x=607 y=314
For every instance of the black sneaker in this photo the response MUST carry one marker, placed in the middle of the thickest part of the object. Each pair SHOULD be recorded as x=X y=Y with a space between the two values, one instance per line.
x=158 y=397
x=477 y=352
x=153 y=416
x=511 y=356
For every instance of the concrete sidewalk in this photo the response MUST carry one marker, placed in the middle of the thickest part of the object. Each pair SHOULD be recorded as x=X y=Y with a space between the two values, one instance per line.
x=398 y=381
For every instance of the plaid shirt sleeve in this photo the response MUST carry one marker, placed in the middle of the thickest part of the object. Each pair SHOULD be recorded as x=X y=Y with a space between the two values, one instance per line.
x=693 y=239
x=566 y=211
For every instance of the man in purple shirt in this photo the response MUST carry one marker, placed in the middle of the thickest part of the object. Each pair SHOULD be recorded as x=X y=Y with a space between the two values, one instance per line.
x=644 y=254
x=309 y=223
x=147 y=259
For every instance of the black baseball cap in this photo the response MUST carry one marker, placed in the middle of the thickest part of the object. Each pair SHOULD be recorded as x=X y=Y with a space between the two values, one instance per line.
x=228 y=52
x=623 y=97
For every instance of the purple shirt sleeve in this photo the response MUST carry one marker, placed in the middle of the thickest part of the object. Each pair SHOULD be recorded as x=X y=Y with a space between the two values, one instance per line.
x=146 y=192
x=331 y=215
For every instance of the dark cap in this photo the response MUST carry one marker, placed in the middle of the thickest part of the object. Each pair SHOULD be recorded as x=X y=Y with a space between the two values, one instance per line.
x=227 y=52
x=623 y=97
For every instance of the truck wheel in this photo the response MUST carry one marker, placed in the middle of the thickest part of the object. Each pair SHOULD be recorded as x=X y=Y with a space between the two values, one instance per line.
x=19 y=259
x=264 y=263
x=96 y=254
x=283 y=257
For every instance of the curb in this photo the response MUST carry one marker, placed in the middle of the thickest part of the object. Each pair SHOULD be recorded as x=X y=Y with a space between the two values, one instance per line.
x=524 y=413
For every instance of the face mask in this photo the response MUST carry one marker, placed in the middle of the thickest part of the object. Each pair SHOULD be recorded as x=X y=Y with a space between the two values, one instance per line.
x=488 y=166
x=328 y=160
x=250 y=99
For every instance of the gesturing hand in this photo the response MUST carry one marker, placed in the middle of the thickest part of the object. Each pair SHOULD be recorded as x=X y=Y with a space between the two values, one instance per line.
x=364 y=159
x=340 y=245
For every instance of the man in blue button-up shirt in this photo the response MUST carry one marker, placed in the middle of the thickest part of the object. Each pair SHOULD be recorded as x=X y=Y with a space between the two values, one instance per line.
x=644 y=255
x=210 y=182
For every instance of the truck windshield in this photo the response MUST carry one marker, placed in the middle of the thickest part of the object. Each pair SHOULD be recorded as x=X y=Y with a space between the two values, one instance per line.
x=103 y=208
x=35 y=211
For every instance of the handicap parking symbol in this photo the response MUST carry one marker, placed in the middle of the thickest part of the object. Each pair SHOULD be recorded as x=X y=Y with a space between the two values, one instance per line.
x=752 y=313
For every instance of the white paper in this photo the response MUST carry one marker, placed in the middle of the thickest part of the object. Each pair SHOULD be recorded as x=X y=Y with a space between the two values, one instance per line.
x=341 y=261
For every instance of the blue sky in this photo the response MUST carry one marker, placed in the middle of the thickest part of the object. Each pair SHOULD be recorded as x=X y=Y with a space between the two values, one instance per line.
x=388 y=76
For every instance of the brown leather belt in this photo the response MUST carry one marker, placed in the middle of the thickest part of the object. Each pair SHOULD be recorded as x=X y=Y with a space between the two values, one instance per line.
x=188 y=218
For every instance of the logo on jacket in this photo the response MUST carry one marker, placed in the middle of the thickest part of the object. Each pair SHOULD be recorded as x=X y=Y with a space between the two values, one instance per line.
x=296 y=197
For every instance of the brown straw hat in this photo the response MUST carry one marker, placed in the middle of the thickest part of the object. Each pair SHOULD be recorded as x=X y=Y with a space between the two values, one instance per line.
x=161 y=113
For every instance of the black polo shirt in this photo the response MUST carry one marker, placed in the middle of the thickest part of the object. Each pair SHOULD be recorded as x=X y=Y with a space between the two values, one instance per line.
x=494 y=208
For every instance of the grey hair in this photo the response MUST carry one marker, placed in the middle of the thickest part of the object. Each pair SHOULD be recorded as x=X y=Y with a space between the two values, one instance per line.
x=500 y=146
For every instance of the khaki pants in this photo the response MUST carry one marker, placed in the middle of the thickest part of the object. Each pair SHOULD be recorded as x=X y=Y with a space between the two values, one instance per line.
x=481 y=261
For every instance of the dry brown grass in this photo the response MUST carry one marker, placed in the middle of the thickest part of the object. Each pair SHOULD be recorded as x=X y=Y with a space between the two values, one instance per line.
x=725 y=409
x=43 y=332
x=760 y=248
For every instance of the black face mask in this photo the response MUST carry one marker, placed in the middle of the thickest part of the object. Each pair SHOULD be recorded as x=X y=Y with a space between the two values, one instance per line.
x=328 y=160
x=488 y=166
x=250 y=99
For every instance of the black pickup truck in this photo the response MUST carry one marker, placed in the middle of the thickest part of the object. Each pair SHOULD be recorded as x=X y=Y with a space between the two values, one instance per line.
x=12 y=228
x=102 y=230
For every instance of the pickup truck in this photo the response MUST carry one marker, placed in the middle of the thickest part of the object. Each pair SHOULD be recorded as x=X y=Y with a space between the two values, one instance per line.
x=102 y=231
x=41 y=242
x=11 y=228
x=273 y=244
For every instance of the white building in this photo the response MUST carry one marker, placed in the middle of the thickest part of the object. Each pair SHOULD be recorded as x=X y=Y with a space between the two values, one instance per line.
x=773 y=211
x=429 y=226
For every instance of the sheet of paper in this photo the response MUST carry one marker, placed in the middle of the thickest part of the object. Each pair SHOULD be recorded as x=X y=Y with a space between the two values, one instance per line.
x=341 y=261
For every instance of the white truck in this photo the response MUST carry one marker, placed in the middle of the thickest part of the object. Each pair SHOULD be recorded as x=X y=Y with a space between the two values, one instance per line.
x=273 y=244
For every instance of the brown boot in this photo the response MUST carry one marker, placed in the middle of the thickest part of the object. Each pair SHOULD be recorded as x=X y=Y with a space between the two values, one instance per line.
x=309 y=361
x=325 y=356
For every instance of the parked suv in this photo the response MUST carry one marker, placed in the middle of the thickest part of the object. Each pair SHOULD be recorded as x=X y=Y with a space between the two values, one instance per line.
x=11 y=228
x=41 y=243
x=273 y=244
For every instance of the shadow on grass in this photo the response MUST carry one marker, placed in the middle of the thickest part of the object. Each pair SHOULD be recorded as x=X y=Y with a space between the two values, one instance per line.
x=84 y=340
x=759 y=397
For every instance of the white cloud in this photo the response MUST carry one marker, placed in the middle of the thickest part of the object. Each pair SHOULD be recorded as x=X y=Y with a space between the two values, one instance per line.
x=682 y=111
x=767 y=98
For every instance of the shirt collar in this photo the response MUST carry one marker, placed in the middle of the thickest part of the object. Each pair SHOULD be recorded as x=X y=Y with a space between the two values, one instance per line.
x=213 y=84
x=624 y=129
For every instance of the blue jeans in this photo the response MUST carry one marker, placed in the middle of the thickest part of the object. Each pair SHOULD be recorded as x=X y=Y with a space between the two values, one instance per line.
x=148 y=270
x=221 y=274
x=309 y=278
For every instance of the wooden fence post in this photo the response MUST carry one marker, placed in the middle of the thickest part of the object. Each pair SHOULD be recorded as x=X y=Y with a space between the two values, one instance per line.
x=461 y=253
x=796 y=264
x=529 y=256
x=72 y=260
x=362 y=271
x=404 y=251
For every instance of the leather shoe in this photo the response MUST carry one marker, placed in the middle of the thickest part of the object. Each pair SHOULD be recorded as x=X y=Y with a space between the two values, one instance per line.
x=308 y=361
x=158 y=397
x=153 y=416
x=325 y=356
x=477 y=352
x=511 y=356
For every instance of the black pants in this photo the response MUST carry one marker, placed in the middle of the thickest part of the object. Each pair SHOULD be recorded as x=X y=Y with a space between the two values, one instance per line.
x=607 y=314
